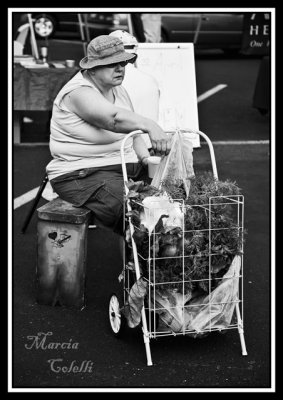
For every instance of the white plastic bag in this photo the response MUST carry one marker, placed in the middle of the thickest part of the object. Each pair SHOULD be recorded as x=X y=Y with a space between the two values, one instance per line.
x=155 y=207
x=177 y=166
x=204 y=312
x=216 y=310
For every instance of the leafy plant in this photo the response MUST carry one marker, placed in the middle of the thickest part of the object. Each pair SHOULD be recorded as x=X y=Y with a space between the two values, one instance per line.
x=200 y=255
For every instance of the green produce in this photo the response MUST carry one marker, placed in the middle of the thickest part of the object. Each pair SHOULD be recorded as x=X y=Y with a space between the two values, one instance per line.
x=207 y=245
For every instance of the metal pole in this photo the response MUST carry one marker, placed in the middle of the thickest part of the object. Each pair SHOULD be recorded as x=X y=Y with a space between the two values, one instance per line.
x=82 y=32
x=197 y=29
x=34 y=204
x=32 y=37
x=134 y=248
x=241 y=331
x=130 y=24
x=86 y=28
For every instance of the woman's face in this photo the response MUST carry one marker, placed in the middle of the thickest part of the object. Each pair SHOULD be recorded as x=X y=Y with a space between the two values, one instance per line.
x=109 y=75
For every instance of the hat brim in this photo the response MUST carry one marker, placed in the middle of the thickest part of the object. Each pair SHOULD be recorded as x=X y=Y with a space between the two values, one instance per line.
x=87 y=63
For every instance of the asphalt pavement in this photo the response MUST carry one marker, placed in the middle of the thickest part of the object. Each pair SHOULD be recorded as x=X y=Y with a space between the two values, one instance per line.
x=179 y=362
x=214 y=362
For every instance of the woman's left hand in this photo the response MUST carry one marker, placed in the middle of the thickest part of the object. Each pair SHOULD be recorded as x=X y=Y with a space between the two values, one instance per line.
x=144 y=160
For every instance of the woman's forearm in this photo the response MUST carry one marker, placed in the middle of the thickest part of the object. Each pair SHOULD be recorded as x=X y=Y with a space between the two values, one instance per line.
x=126 y=121
x=102 y=114
x=140 y=148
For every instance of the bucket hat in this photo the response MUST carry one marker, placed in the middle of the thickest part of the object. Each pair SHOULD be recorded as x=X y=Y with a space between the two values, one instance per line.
x=129 y=41
x=104 y=50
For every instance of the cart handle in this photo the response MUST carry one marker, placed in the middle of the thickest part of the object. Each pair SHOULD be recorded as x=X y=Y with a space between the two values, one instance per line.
x=211 y=150
x=200 y=133
x=124 y=169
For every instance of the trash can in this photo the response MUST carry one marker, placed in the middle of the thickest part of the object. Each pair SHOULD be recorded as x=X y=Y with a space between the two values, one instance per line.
x=61 y=254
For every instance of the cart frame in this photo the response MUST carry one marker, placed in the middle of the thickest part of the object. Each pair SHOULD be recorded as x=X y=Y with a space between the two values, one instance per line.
x=148 y=332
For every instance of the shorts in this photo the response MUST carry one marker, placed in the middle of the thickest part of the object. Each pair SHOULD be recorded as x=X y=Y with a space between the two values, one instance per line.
x=99 y=189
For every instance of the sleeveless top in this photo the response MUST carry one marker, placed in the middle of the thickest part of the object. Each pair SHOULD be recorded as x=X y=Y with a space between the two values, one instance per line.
x=75 y=144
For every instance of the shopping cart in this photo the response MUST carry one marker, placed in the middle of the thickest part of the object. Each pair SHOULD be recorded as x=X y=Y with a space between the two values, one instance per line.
x=182 y=316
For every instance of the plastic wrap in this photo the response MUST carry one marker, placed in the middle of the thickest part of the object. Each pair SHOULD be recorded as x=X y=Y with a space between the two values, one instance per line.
x=177 y=166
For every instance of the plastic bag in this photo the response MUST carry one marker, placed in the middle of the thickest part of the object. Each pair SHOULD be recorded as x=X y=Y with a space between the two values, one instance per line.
x=158 y=206
x=216 y=310
x=170 y=308
x=177 y=166
x=134 y=304
x=199 y=314
x=203 y=312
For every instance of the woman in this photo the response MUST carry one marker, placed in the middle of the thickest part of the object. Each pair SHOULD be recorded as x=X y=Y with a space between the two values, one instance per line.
x=90 y=116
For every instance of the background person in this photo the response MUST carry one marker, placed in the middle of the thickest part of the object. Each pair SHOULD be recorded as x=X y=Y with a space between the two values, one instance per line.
x=152 y=27
x=90 y=117
x=142 y=87
x=137 y=26
x=146 y=27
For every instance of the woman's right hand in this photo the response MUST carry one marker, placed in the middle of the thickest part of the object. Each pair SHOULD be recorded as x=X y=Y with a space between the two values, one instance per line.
x=160 y=140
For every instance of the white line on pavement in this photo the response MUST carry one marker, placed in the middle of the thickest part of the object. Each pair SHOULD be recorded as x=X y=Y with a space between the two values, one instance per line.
x=25 y=198
x=236 y=142
x=210 y=92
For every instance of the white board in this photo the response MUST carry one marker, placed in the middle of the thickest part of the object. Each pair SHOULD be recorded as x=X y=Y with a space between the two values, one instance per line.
x=173 y=66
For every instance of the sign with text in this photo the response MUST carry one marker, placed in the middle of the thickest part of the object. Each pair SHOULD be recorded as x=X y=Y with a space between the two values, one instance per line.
x=256 y=34
x=173 y=66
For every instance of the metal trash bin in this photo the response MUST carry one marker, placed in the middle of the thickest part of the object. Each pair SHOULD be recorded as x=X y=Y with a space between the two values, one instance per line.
x=61 y=254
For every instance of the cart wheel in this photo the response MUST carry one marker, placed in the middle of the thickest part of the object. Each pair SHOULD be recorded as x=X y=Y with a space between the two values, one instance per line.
x=116 y=318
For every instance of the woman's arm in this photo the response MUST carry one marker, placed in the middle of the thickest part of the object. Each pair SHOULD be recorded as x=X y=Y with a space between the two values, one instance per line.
x=92 y=107
x=140 y=149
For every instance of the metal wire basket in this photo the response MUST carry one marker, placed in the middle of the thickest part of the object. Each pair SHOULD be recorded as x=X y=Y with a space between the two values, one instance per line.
x=202 y=288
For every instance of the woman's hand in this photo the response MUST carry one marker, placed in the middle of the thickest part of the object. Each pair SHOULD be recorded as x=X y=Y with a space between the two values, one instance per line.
x=144 y=160
x=161 y=142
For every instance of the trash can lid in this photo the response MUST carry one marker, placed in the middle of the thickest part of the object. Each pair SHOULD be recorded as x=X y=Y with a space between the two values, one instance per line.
x=62 y=211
